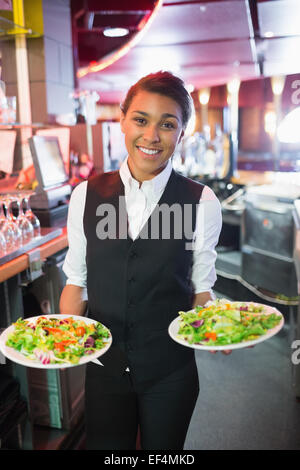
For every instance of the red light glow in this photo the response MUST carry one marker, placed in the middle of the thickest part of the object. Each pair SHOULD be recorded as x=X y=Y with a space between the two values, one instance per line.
x=145 y=24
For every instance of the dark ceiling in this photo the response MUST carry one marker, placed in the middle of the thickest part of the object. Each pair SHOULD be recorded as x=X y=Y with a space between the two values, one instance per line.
x=204 y=42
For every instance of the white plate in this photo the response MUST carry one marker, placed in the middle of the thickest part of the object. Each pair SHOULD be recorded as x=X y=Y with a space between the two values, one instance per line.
x=19 y=358
x=174 y=328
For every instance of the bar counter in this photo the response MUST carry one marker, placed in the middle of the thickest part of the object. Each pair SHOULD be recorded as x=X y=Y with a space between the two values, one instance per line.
x=22 y=262
x=49 y=406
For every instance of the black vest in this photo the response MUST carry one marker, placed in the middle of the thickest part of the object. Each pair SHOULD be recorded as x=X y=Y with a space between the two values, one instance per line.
x=136 y=288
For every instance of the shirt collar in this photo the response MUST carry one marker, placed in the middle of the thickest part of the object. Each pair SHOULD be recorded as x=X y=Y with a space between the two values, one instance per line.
x=157 y=184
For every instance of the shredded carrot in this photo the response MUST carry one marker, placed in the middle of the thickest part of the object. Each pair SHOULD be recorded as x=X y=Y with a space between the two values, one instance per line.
x=211 y=335
x=202 y=310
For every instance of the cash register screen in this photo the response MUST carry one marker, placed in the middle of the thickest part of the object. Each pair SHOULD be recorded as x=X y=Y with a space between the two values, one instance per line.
x=48 y=161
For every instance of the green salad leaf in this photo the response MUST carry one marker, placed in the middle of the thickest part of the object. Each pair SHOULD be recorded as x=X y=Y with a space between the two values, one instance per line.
x=225 y=323
x=57 y=340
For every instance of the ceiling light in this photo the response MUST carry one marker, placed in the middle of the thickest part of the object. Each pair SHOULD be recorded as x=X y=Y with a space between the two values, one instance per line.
x=269 y=34
x=204 y=96
x=115 y=32
x=277 y=84
x=233 y=86
x=270 y=123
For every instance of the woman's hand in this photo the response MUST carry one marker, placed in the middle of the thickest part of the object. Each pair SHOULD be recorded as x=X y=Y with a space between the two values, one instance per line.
x=226 y=352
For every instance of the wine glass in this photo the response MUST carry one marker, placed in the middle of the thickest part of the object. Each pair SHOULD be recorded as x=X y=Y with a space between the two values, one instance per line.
x=2 y=215
x=8 y=227
x=23 y=223
x=2 y=244
x=11 y=224
x=9 y=236
x=31 y=216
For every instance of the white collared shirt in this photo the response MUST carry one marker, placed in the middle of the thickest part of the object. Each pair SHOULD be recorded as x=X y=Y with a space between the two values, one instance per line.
x=140 y=202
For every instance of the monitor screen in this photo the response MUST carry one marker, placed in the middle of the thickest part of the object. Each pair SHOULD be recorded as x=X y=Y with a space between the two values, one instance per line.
x=48 y=161
x=63 y=135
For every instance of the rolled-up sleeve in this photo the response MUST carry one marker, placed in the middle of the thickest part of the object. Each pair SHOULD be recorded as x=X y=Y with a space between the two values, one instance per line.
x=74 y=265
x=208 y=229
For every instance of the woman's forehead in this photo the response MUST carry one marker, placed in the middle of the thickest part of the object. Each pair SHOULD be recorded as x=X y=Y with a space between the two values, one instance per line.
x=155 y=103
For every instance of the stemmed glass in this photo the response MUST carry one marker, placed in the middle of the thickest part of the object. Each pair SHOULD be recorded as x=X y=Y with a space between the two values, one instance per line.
x=22 y=221
x=2 y=244
x=30 y=215
x=2 y=237
x=9 y=228
x=8 y=204
x=2 y=215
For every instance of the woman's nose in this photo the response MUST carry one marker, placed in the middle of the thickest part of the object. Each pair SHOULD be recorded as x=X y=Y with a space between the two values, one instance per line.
x=151 y=134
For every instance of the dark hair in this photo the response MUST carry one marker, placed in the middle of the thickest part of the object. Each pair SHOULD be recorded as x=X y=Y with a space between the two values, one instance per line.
x=166 y=84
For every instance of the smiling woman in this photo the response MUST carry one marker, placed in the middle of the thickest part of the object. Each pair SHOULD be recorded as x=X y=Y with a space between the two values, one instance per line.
x=137 y=283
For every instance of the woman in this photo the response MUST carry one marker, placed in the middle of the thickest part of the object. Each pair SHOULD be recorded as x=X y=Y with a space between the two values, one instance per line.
x=137 y=283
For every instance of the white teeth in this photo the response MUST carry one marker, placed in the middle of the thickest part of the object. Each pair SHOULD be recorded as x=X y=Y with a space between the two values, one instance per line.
x=148 y=151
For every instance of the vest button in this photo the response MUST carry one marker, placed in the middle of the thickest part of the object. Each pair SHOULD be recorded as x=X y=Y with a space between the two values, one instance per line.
x=130 y=303
x=131 y=279
x=133 y=254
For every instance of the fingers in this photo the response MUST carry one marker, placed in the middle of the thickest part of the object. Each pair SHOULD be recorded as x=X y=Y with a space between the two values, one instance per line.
x=226 y=352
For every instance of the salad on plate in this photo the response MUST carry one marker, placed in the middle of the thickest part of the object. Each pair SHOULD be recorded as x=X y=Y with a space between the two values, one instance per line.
x=58 y=339
x=223 y=323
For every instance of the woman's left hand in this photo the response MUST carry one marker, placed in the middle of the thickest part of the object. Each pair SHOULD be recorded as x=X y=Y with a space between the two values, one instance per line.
x=226 y=352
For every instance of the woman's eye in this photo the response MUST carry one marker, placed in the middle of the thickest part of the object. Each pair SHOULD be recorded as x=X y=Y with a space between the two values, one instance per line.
x=168 y=125
x=140 y=120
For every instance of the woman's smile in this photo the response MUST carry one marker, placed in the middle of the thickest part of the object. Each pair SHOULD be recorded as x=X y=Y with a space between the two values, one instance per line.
x=149 y=152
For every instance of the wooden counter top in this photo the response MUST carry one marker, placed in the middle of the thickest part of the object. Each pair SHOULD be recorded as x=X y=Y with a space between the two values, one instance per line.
x=21 y=263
